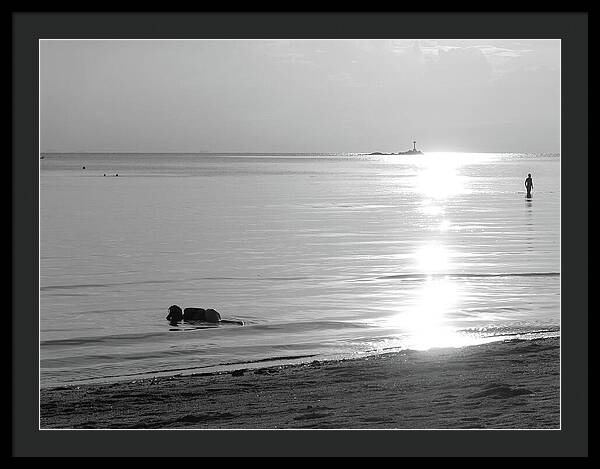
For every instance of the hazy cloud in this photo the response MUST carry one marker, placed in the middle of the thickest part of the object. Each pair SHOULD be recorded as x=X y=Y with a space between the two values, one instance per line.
x=304 y=95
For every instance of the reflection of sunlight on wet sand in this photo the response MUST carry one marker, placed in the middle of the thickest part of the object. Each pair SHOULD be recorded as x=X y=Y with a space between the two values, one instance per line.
x=441 y=337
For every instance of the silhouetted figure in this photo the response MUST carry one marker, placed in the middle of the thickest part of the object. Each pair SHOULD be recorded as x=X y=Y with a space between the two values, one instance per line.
x=175 y=315
x=529 y=185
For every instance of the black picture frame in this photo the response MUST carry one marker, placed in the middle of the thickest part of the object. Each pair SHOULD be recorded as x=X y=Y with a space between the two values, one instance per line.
x=570 y=440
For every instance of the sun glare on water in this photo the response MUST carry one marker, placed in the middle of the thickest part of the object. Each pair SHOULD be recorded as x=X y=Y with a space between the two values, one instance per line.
x=438 y=175
x=426 y=323
x=433 y=259
x=428 y=319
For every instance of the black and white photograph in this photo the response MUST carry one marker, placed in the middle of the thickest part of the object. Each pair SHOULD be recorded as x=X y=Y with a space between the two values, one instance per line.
x=300 y=234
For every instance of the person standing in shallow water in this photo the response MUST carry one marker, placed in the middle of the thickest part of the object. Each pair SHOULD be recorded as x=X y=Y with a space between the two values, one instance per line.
x=529 y=185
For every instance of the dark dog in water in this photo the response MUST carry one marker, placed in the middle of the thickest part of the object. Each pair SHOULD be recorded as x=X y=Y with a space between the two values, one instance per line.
x=210 y=315
x=201 y=314
x=175 y=314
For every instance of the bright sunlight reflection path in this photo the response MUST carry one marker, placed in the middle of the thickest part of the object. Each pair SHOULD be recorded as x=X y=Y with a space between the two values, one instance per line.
x=427 y=322
x=438 y=176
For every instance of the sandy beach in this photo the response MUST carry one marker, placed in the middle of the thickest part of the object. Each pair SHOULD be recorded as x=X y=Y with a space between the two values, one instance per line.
x=513 y=384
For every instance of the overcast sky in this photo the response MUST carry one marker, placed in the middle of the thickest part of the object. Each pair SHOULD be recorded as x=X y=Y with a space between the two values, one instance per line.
x=300 y=95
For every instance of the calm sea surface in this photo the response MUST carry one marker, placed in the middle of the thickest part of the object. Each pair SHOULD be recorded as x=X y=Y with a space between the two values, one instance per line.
x=322 y=256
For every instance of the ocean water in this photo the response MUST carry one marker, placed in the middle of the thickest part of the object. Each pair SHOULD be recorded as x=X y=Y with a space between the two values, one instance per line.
x=321 y=255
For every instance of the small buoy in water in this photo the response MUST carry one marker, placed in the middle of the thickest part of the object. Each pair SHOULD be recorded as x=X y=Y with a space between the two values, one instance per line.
x=117 y=174
x=104 y=174
x=83 y=167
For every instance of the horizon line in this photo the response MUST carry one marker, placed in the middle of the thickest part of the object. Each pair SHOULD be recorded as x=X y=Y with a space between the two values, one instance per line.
x=120 y=152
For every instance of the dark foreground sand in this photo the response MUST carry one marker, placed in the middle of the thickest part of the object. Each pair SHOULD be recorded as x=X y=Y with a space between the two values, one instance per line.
x=512 y=384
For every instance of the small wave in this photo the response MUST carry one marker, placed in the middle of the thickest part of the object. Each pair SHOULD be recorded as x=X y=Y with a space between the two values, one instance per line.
x=102 y=339
x=492 y=331
x=104 y=311
x=465 y=275
x=253 y=278
x=184 y=369
x=162 y=282
x=102 y=285
x=301 y=326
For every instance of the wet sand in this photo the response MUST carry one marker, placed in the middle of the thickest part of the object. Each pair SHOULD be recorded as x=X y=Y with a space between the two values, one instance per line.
x=512 y=384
